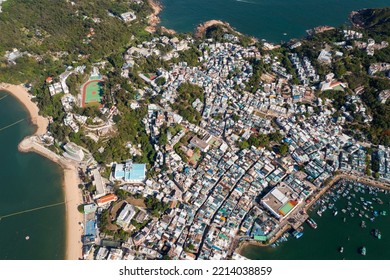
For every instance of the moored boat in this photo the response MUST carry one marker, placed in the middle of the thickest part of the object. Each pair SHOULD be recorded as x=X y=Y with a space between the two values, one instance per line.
x=297 y=234
x=311 y=223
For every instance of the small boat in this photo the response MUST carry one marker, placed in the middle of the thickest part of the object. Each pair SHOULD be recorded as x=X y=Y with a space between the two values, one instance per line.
x=383 y=213
x=377 y=233
x=27 y=237
x=335 y=213
x=311 y=223
x=376 y=214
x=363 y=224
x=344 y=220
x=297 y=234
x=341 y=249
x=363 y=251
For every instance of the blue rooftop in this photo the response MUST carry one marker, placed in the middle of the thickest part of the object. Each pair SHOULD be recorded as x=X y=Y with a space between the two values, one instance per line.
x=90 y=227
x=130 y=172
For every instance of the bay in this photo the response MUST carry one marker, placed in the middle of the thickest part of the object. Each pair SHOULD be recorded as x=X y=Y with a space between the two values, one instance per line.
x=334 y=232
x=27 y=181
x=263 y=19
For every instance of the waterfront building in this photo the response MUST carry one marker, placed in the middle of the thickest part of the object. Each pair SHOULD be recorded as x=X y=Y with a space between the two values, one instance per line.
x=72 y=151
x=281 y=201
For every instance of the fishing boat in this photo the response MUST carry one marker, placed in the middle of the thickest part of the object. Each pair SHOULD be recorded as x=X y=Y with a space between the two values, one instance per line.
x=311 y=223
x=297 y=234
x=377 y=233
x=363 y=251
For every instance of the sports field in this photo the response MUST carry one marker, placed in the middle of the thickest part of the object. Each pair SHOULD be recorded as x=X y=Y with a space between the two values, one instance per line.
x=92 y=93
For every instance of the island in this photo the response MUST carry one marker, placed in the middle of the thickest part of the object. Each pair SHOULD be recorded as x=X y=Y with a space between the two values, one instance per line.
x=192 y=146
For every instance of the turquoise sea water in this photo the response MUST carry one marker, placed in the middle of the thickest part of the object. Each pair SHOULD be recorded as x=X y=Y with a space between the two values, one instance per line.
x=27 y=181
x=264 y=19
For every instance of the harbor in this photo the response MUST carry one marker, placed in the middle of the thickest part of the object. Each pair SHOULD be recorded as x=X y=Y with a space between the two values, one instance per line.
x=352 y=223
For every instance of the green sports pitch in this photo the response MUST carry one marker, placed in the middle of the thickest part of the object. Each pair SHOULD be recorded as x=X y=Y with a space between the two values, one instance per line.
x=92 y=93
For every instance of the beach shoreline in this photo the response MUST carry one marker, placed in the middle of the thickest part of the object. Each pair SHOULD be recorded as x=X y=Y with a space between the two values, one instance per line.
x=73 y=245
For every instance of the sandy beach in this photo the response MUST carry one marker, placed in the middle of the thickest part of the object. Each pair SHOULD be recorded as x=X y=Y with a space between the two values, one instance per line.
x=24 y=98
x=71 y=179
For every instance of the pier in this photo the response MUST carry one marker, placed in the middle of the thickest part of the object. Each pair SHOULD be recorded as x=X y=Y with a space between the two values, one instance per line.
x=300 y=214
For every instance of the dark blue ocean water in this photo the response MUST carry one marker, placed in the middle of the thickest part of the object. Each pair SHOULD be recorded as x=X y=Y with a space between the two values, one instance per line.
x=264 y=19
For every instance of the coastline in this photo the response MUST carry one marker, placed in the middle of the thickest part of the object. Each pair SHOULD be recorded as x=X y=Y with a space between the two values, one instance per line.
x=377 y=184
x=154 y=20
x=21 y=94
x=73 y=247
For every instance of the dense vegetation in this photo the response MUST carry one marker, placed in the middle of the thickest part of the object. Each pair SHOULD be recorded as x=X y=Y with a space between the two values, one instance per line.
x=155 y=206
x=377 y=20
x=261 y=140
x=187 y=94
x=60 y=33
